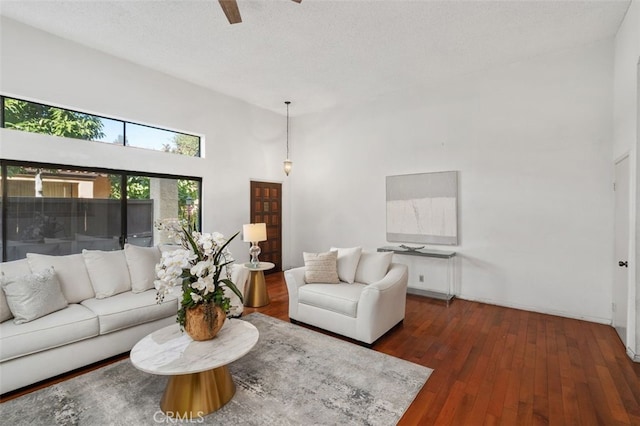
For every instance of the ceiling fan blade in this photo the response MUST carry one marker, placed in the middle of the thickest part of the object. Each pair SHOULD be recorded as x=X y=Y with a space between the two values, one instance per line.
x=230 y=9
x=297 y=1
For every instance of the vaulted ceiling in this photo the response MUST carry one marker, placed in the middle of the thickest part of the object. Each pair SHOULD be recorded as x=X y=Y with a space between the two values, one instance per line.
x=322 y=53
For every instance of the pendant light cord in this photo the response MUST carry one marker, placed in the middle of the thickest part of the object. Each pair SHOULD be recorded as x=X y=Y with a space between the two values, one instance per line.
x=287 y=102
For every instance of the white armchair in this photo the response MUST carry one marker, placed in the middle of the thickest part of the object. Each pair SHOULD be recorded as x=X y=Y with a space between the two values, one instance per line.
x=363 y=312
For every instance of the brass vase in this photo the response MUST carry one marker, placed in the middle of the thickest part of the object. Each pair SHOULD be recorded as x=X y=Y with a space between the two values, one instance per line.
x=203 y=321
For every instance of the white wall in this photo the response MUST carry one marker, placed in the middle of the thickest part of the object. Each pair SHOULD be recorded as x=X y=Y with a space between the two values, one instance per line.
x=626 y=122
x=532 y=142
x=240 y=141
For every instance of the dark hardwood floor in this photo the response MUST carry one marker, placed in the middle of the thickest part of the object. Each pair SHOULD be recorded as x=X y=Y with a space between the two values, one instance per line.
x=495 y=365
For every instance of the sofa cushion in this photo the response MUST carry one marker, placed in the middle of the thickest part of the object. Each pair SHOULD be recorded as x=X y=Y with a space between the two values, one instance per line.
x=33 y=295
x=373 y=266
x=68 y=325
x=71 y=272
x=142 y=263
x=128 y=309
x=341 y=298
x=15 y=268
x=239 y=276
x=108 y=272
x=11 y=269
x=347 y=263
x=321 y=267
x=5 y=312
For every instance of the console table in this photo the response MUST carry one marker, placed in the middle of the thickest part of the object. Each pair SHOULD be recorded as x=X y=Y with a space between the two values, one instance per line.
x=449 y=256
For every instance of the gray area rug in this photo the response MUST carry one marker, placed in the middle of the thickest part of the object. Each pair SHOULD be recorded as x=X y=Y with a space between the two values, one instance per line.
x=293 y=376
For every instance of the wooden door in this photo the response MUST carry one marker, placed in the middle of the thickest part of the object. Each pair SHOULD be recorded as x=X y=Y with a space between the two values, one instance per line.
x=266 y=206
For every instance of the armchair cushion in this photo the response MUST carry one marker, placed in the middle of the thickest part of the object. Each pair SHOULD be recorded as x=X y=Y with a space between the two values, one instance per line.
x=340 y=298
x=321 y=267
x=373 y=266
x=347 y=263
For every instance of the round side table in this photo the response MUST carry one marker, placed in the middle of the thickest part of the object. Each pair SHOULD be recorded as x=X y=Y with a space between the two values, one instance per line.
x=255 y=292
x=200 y=381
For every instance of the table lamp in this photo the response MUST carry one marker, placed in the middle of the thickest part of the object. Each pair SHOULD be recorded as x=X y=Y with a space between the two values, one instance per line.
x=253 y=233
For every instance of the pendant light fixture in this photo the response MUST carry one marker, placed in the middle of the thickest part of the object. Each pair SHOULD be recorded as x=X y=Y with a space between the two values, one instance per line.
x=287 y=163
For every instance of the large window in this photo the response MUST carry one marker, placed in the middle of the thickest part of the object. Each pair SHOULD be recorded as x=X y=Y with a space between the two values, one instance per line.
x=59 y=210
x=34 y=117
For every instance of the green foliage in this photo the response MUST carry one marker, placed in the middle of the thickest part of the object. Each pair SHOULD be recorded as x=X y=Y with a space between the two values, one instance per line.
x=184 y=145
x=137 y=187
x=37 y=118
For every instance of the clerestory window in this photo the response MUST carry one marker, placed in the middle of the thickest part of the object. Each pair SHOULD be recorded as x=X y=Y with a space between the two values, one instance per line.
x=27 y=116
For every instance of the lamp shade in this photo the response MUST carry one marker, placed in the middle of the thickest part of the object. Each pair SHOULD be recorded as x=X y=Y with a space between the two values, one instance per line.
x=254 y=232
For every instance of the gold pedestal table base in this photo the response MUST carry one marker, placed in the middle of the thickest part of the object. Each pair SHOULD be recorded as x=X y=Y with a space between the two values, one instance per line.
x=255 y=294
x=191 y=396
x=199 y=379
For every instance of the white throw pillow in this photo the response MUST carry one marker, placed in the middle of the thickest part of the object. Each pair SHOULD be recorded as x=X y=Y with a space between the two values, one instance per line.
x=5 y=312
x=34 y=295
x=347 y=263
x=142 y=263
x=321 y=267
x=108 y=272
x=71 y=272
x=11 y=269
x=373 y=266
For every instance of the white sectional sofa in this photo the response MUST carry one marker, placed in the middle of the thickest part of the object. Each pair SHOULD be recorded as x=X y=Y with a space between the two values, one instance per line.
x=363 y=301
x=110 y=305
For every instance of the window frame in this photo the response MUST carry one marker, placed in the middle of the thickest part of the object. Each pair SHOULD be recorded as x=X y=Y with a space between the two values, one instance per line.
x=4 y=164
x=3 y=98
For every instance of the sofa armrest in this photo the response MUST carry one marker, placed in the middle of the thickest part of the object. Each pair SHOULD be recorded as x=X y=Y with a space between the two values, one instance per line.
x=294 y=279
x=382 y=304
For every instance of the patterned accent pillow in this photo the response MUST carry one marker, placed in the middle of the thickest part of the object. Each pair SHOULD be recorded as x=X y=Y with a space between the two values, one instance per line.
x=321 y=267
x=34 y=295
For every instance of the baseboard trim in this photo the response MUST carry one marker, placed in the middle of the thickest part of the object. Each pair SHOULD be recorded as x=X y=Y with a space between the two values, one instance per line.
x=598 y=320
x=429 y=293
x=634 y=356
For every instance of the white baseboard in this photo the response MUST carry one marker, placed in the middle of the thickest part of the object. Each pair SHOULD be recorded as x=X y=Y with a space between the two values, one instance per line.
x=634 y=356
x=606 y=321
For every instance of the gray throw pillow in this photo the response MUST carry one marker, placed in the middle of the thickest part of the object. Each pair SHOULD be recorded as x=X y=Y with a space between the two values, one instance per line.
x=34 y=295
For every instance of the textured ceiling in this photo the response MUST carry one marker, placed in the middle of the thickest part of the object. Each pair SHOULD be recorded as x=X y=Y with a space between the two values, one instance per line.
x=322 y=53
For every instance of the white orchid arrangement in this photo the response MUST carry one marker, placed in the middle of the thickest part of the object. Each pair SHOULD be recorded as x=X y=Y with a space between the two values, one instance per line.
x=202 y=266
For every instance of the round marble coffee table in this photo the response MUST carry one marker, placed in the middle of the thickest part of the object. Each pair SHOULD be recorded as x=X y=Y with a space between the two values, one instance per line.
x=200 y=381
